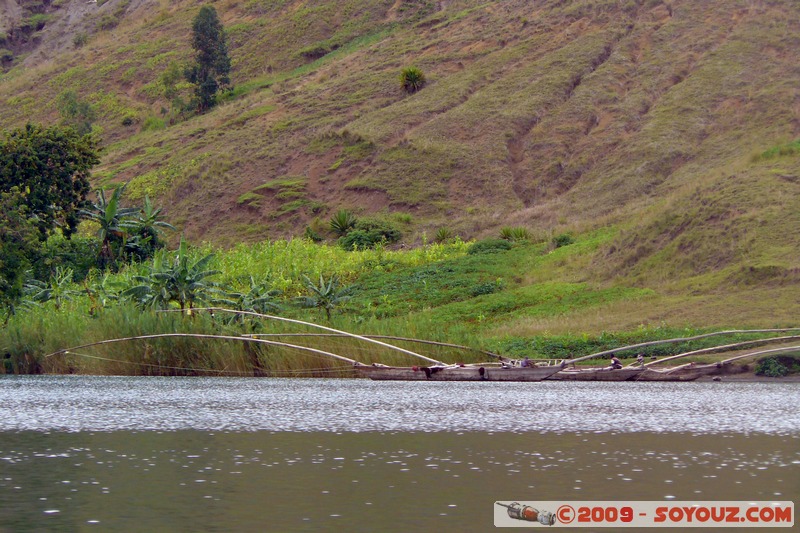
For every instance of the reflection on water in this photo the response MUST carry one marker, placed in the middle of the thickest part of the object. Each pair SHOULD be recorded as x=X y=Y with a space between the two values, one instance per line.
x=262 y=481
x=72 y=403
x=134 y=454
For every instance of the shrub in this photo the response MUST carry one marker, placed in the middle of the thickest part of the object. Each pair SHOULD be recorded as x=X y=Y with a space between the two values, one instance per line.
x=382 y=229
x=412 y=79
x=368 y=233
x=108 y=21
x=153 y=123
x=517 y=234
x=312 y=235
x=80 y=39
x=771 y=367
x=489 y=246
x=486 y=288
x=357 y=240
x=76 y=254
x=564 y=239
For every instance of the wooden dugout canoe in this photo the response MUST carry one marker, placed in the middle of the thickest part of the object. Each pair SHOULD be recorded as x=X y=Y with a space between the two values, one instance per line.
x=475 y=372
x=597 y=374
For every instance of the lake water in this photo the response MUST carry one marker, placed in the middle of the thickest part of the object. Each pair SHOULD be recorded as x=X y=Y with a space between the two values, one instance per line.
x=219 y=454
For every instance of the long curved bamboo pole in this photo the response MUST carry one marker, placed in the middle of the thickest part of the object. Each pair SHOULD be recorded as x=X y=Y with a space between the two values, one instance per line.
x=682 y=339
x=722 y=348
x=387 y=337
x=311 y=324
x=761 y=352
x=205 y=336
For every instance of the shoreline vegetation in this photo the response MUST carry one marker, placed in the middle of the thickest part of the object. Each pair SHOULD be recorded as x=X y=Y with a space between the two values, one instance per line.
x=437 y=292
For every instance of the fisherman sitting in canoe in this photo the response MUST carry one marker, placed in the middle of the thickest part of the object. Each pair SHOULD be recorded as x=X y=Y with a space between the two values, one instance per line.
x=616 y=364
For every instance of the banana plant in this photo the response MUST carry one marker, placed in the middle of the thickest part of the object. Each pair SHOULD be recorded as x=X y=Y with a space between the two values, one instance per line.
x=182 y=281
x=327 y=295
x=114 y=223
x=59 y=289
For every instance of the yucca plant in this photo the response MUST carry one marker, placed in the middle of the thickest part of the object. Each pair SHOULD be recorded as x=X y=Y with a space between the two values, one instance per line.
x=515 y=234
x=412 y=79
x=342 y=222
x=443 y=234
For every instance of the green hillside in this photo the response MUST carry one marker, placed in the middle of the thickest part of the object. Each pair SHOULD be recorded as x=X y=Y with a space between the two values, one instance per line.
x=662 y=135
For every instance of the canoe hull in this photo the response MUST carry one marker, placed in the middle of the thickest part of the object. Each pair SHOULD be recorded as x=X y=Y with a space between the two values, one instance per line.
x=684 y=373
x=464 y=373
x=690 y=373
x=597 y=374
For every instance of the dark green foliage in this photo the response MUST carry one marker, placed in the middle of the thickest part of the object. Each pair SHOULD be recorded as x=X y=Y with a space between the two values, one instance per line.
x=212 y=67
x=6 y=56
x=486 y=288
x=489 y=246
x=145 y=231
x=114 y=222
x=412 y=79
x=50 y=167
x=312 y=235
x=357 y=240
x=76 y=113
x=182 y=281
x=18 y=242
x=342 y=222
x=777 y=366
x=381 y=229
x=78 y=254
x=80 y=39
x=368 y=233
x=59 y=289
x=564 y=239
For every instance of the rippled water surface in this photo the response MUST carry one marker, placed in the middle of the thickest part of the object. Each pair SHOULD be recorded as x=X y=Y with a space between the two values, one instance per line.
x=216 y=454
x=71 y=403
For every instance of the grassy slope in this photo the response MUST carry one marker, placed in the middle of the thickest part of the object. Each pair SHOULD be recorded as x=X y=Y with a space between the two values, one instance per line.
x=644 y=116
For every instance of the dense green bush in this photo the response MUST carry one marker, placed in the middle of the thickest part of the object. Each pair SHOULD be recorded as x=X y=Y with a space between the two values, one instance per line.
x=488 y=287
x=367 y=233
x=78 y=254
x=489 y=246
x=564 y=239
x=771 y=367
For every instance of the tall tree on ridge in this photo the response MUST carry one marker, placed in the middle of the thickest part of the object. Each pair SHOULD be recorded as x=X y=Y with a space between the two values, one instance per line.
x=211 y=71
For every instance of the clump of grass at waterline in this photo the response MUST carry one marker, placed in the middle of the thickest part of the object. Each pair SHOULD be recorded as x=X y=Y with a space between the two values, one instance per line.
x=30 y=338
